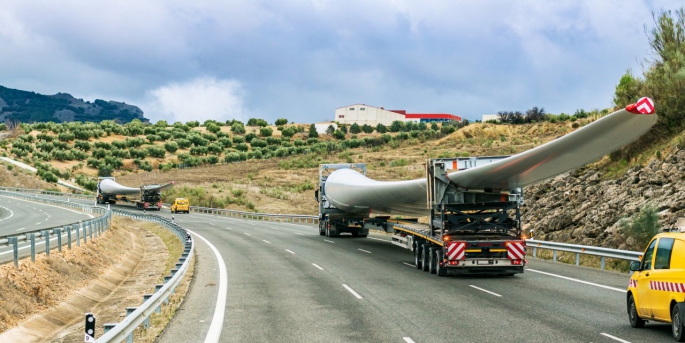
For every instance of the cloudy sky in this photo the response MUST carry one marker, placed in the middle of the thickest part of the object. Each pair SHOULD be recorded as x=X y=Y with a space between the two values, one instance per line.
x=183 y=60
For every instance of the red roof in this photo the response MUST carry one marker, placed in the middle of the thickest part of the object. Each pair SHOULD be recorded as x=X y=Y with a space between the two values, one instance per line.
x=399 y=111
x=432 y=116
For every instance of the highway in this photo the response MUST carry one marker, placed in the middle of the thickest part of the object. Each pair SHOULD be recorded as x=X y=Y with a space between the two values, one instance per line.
x=285 y=283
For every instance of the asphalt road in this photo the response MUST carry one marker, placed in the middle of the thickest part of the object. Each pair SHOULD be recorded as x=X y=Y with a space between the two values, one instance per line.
x=288 y=284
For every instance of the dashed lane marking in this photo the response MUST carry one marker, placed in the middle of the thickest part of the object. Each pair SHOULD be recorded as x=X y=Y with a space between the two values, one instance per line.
x=577 y=280
x=366 y=251
x=265 y=241
x=247 y=234
x=614 y=338
x=352 y=291
x=409 y=264
x=485 y=290
x=325 y=240
x=290 y=251
x=378 y=239
x=297 y=233
x=317 y=266
x=408 y=340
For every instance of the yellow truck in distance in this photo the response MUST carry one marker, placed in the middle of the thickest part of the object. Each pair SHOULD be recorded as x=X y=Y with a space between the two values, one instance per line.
x=180 y=205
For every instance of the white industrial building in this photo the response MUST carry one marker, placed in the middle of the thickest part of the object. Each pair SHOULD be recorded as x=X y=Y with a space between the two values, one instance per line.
x=370 y=115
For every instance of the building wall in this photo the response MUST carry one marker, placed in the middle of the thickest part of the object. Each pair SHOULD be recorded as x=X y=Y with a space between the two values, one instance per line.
x=363 y=114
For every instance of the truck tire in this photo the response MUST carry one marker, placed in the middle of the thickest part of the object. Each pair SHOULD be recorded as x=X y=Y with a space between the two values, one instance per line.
x=418 y=256
x=439 y=269
x=426 y=256
x=321 y=231
x=432 y=260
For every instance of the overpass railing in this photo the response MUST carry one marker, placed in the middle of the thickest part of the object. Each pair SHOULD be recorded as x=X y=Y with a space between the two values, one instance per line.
x=293 y=218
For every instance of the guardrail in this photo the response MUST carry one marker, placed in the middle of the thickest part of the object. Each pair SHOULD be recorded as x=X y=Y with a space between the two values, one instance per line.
x=135 y=316
x=90 y=227
x=40 y=191
x=603 y=253
x=293 y=218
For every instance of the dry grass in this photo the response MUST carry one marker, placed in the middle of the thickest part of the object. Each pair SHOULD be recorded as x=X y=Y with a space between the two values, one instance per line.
x=585 y=260
x=34 y=287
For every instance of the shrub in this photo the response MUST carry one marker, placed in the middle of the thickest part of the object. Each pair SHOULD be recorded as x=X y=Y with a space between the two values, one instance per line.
x=338 y=134
x=116 y=144
x=66 y=137
x=241 y=147
x=215 y=148
x=238 y=139
x=225 y=142
x=250 y=136
x=641 y=227
x=198 y=150
x=257 y=122
x=312 y=132
x=171 y=147
x=156 y=151
x=213 y=128
x=258 y=143
x=281 y=121
x=266 y=132
x=209 y=136
x=238 y=128
x=184 y=143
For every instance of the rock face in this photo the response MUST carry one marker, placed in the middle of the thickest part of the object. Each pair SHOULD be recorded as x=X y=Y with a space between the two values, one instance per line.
x=582 y=207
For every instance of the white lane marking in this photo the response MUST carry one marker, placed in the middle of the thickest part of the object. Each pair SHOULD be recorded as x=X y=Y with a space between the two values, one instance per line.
x=273 y=228
x=212 y=224
x=290 y=251
x=252 y=224
x=378 y=239
x=228 y=228
x=408 y=340
x=38 y=223
x=325 y=240
x=485 y=290
x=247 y=233
x=352 y=291
x=297 y=233
x=21 y=229
x=409 y=264
x=8 y=217
x=579 y=281
x=366 y=251
x=265 y=241
x=214 y=332
x=614 y=337
x=317 y=266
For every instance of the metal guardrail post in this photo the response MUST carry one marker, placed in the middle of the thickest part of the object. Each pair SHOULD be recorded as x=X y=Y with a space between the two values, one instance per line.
x=555 y=255
x=15 y=249
x=45 y=233
x=58 y=232
x=109 y=326
x=90 y=230
x=535 y=252
x=85 y=233
x=129 y=310
x=603 y=261
x=146 y=323
x=32 y=236
x=157 y=288
x=78 y=234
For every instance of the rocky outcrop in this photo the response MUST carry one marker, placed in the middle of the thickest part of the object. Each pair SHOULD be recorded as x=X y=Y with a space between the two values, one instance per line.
x=584 y=207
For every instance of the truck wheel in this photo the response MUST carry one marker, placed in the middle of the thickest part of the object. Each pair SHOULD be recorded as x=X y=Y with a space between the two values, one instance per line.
x=418 y=256
x=635 y=320
x=677 y=324
x=426 y=256
x=432 y=261
x=321 y=231
x=439 y=257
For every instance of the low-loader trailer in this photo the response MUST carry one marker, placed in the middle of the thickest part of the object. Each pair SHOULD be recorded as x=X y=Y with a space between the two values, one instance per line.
x=468 y=231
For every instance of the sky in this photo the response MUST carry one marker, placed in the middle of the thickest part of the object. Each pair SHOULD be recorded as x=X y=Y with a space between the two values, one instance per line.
x=184 y=60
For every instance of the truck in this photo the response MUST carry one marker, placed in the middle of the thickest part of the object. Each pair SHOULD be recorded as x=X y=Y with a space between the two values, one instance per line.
x=147 y=197
x=467 y=231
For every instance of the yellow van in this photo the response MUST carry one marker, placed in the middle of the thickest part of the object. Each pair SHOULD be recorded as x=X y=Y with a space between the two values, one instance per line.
x=180 y=205
x=656 y=290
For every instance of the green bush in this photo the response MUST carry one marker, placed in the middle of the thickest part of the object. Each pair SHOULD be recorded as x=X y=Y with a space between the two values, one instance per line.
x=258 y=143
x=171 y=147
x=266 y=132
x=281 y=121
x=250 y=136
x=156 y=151
x=215 y=148
x=184 y=143
x=241 y=147
x=238 y=139
x=641 y=227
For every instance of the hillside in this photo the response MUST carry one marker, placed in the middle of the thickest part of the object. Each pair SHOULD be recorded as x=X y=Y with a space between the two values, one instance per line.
x=30 y=107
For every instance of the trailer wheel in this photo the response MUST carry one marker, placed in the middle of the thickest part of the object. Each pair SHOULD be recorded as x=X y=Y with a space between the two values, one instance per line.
x=432 y=261
x=439 y=257
x=418 y=256
x=426 y=256
x=321 y=231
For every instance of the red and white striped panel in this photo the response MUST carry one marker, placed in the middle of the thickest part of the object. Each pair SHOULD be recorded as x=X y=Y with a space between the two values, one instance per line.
x=632 y=283
x=667 y=286
x=455 y=251
x=516 y=250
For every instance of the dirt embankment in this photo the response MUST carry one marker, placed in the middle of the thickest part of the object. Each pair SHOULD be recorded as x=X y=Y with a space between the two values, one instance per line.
x=46 y=301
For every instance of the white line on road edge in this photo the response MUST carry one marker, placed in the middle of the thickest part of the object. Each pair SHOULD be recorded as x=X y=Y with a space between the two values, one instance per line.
x=576 y=280
x=290 y=251
x=247 y=233
x=265 y=241
x=408 y=340
x=382 y=240
x=317 y=266
x=485 y=290
x=352 y=291
x=214 y=332
x=366 y=251
x=409 y=264
x=614 y=337
x=325 y=240
x=21 y=229
x=297 y=233
x=228 y=228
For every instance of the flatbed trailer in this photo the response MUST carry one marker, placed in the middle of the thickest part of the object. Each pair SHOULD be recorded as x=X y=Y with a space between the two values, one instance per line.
x=469 y=231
